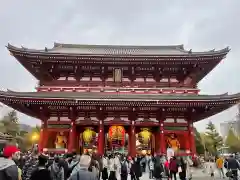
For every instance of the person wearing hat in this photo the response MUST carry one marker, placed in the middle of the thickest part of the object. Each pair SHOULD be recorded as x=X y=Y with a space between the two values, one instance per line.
x=8 y=167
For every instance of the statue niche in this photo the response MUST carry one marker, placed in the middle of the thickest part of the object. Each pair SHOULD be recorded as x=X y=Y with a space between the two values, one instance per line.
x=173 y=142
x=61 y=141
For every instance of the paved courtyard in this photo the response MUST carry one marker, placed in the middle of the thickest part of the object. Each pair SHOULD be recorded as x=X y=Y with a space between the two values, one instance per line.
x=197 y=175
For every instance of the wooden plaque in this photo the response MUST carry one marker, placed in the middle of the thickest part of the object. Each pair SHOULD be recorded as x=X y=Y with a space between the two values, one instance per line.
x=117 y=75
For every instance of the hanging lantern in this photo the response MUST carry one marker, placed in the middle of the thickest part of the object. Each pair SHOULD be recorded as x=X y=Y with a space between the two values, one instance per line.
x=112 y=132
x=120 y=132
x=88 y=135
x=116 y=133
x=144 y=136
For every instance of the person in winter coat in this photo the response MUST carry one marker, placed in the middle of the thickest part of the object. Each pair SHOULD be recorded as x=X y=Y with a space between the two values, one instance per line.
x=74 y=165
x=173 y=168
x=135 y=170
x=8 y=168
x=50 y=160
x=124 y=169
x=56 y=170
x=31 y=163
x=112 y=168
x=94 y=167
x=105 y=167
x=150 y=167
x=41 y=173
x=83 y=173
x=183 y=165
x=158 y=168
x=132 y=168
x=233 y=165
x=63 y=163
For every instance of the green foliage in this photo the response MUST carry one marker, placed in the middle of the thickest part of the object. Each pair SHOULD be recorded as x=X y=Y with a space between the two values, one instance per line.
x=213 y=140
x=11 y=125
x=198 y=142
x=232 y=141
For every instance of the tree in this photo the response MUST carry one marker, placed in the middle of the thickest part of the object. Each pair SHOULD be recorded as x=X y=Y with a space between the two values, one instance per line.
x=198 y=142
x=11 y=125
x=213 y=140
x=232 y=141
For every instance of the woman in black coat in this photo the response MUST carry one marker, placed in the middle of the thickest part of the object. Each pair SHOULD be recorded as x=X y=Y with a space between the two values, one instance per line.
x=158 y=168
x=183 y=165
x=135 y=170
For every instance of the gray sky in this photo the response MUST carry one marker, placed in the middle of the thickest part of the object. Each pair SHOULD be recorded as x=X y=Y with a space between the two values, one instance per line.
x=199 y=25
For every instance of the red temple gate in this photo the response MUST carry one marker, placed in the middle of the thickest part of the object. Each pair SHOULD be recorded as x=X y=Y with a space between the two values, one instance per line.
x=134 y=87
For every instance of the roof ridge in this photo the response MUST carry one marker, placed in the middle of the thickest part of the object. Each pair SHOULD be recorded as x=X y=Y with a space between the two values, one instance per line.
x=66 y=45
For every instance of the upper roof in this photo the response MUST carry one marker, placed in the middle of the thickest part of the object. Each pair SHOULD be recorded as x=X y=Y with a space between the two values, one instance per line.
x=81 y=49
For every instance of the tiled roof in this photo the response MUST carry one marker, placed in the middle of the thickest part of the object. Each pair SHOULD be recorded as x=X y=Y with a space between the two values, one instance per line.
x=116 y=96
x=118 y=50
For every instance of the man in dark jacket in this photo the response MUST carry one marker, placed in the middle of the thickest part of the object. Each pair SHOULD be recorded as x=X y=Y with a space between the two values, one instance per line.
x=8 y=168
x=50 y=160
x=233 y=165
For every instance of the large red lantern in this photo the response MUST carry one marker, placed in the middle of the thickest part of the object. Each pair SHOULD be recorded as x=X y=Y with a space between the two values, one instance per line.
x=116 y=133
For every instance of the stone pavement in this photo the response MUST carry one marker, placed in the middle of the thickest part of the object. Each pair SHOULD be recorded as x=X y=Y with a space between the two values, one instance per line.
x=198 y=174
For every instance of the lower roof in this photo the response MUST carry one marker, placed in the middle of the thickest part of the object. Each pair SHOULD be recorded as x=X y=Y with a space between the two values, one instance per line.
x=204 y=105
x=74 y=98
x=106 y=96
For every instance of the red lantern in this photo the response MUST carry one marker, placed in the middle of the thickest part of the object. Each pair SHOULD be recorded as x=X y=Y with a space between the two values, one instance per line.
x=117 y=133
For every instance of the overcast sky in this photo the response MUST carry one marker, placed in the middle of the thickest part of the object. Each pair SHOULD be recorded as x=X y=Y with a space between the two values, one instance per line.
x=199 y=25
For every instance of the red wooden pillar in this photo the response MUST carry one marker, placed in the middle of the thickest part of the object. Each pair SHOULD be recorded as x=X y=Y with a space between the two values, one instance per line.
x=129 y=141
x=71 y=138
x=191 y=137
x=187 y=142
x=132 y=140
x=101 y=138
x=162 y=144
x=156 y=143
x=43 y=136
x=162 y=139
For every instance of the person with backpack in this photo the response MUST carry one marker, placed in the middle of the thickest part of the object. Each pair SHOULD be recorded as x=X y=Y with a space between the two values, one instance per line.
x=74 y=167
x=124 y=169
x=56 y=170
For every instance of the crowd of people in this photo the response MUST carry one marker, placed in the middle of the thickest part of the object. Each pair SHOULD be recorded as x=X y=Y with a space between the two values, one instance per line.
x=34 y=166
x=223 y=166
